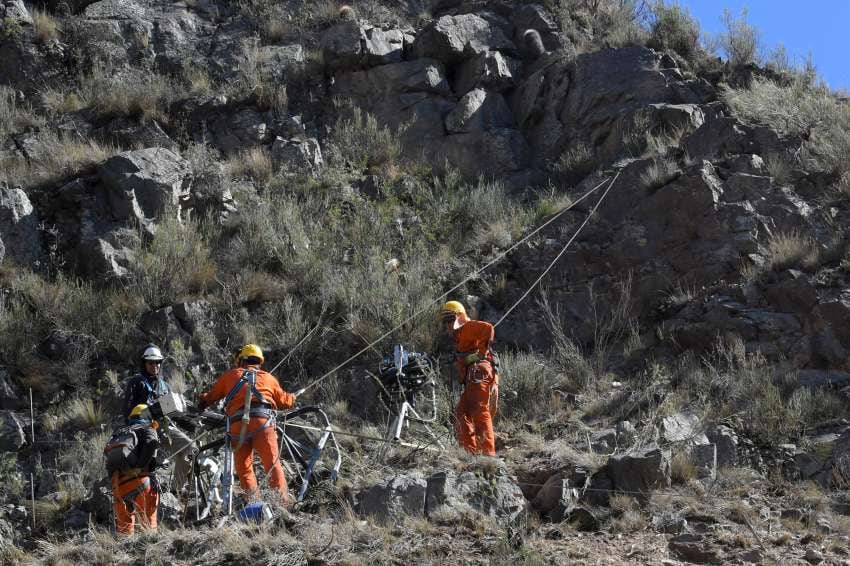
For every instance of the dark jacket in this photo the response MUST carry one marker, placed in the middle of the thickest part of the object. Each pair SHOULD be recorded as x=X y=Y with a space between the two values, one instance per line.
x=144 y=455
x=143 y=389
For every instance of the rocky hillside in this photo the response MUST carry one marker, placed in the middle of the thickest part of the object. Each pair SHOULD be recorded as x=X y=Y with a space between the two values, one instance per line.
x=309 y=176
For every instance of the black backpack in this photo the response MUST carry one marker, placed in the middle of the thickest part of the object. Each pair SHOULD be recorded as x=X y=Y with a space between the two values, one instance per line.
x=119 y=450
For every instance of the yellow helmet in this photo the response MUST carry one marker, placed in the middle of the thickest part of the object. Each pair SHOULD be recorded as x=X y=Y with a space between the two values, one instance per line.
x=454 y=308
x=138 y=410
x=251 y=351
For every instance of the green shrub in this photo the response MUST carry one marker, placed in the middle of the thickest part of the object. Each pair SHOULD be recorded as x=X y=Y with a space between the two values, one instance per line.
x=803 y=111
x=85 y=322
x=674 y=28
x=741 y=41
x=360 y=142
x=14 y=115
x=606 y=23
x=175 y=264
x=773 y=409
x=133 y=92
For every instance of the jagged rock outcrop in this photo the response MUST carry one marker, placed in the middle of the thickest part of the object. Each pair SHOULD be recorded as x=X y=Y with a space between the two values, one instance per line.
x=144 y=185
x=12 y=435
x=451 y=39
x=19 y=228
x=442 y=496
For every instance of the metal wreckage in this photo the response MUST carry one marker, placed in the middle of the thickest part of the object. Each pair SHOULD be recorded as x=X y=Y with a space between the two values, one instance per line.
x=307 y=443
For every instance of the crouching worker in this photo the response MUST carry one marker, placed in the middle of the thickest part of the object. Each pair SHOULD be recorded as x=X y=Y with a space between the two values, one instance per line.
x=475 y=365
x=130 y=460
x=251 y=397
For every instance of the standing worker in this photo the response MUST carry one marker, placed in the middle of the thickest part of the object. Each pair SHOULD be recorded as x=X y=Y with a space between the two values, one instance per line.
x=145 y=388
x=258 y=431
x=131 y=460
x=475 y=365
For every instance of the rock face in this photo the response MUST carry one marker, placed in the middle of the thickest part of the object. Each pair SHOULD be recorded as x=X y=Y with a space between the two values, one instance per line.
x=19 y=233
x=450 y=39
x=401 y=496
x=144 y=184
x=298 y=155
x=640 y=473
x=12 y=435
x=450 y=494
x=442 y=496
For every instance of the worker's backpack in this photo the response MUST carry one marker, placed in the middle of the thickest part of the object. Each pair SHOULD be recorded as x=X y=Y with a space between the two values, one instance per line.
x=119 y=450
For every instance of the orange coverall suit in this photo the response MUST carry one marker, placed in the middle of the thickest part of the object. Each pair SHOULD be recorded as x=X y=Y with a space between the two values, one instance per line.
x=264 y=441
x=142 y=508
x=474 y=424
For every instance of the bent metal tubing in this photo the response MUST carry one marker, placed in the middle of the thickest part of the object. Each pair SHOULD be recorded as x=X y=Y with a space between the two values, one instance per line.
x=302 y=452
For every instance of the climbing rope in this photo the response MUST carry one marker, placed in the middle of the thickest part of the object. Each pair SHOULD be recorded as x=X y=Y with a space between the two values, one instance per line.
x=557 y=257
x=473 y=275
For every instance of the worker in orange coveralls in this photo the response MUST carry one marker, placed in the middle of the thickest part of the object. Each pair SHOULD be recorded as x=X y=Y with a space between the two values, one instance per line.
x=259 y=433
x=135 y=490
x=474 y=360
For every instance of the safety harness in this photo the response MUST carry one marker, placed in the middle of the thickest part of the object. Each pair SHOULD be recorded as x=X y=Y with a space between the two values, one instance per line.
x=264 y=410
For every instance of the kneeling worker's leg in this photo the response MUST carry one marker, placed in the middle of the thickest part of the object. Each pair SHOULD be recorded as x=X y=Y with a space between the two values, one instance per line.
x=124 y=520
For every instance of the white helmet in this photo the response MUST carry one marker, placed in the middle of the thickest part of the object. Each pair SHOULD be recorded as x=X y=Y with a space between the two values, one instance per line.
x=152 y=354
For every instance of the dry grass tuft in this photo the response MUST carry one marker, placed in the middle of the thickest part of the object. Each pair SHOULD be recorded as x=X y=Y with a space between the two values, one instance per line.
x=682 y=469
x=46 y=26
x=255 y=163
x=59 y=156
x=659 y=173
x=792 y=250
x=85 y=413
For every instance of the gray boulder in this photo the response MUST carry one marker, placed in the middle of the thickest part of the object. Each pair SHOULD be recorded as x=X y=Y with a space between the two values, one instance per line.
x=726 y=441
x=420 y=75
x=348 y=45
x=451 y=494
x=12 y=436
x=494 y=152
x=161 y=326
x=19 y=231
x=145 y=184
x=399 y=497
x=491 y=70
x=233 y=133
x=107 y=255
x=682 y=427
x=194 y=315
x=743 y=186
x=704 y=459
x=479 y=110
x=610 y=82
x=128 y=133
x=451 y=39
x=15 y=11
x=302 y=156
x=10 y=395
x=728 y=136
x=114 y=10
x=640 y=473
x=383 y=46
x=342 y=45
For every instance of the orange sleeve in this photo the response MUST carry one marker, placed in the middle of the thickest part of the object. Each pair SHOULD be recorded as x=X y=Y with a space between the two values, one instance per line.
x=220 y=388
x=485 y=334
x=281 y=399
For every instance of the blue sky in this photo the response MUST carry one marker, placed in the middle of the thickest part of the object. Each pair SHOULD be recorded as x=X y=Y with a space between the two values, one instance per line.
x=816 y=26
